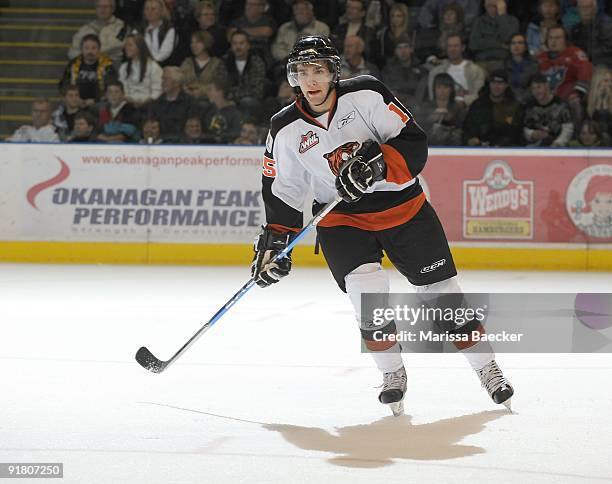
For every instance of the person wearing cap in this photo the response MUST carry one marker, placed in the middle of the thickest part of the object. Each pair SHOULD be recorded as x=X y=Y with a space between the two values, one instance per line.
x=303 y=24
x=495 y=118
x=548 y=119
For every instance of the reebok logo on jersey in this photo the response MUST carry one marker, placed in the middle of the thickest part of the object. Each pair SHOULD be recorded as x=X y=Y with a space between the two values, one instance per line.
x=338 y=156
x=433 y=266
x=342 y=122
x=307 y=141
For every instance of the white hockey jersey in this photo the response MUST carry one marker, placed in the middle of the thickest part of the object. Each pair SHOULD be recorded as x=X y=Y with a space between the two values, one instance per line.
x=304 y=151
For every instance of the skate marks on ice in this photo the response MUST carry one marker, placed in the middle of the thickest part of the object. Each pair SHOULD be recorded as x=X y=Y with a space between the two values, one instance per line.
x=378 y=444
x=382 y=442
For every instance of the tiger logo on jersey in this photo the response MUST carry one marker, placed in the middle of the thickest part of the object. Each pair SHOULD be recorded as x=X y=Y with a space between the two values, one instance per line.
x=341 y=154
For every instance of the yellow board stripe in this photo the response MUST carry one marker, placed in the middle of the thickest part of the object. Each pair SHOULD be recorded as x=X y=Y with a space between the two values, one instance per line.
x=26 y=80
x=33 y=62
x=62 y=28
x=58 y=11
x=15 y=117
x=241 y=254
x=37 y=45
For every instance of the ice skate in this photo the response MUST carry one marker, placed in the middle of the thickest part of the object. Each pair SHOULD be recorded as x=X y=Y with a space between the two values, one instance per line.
x=393 y=391
x=499 y=389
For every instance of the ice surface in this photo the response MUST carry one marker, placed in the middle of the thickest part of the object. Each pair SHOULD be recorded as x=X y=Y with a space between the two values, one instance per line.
x=277 y=391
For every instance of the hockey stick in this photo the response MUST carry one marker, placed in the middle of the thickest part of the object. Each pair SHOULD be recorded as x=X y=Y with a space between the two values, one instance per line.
x=147 y=360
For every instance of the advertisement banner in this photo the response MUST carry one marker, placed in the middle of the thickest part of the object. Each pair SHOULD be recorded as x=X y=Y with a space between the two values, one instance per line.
x=212 y=194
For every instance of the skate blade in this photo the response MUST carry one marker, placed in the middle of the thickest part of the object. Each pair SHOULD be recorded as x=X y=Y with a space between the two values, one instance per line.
x=397 y=408
x=508 y=405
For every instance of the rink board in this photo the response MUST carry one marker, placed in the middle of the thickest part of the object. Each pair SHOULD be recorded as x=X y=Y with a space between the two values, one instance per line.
x=92 y=203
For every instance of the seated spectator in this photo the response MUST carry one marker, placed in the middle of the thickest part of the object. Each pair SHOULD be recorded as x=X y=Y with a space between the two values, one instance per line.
x=491 y=33
x=406 y=79
x=63 y=116
x=84 y=128
x=174 y=106
x=139 y=74
x=89 y=72
x=399 y=27
x=469 y=77
x=304 y=23
x=521 y=67
x=41 y=130
x=158 y=32
x=353 y=63
x=259 y=26
x=548 y=120
x=193 y=132
x=108 y=28
x=246 y=73
x=567 y=67
x=590 y=135
x=248 y=134
x=151 y=132
x=442 y=118
x=430 y=13
x=206 y=17
x=223 y=121
x=200 y=69
x=272 y=105
x=537 y=30
x=355 y=25
x=430 y=44
x=593 y=34
x=496 y=117
x=117 y=119
x=130 y=11
x=599 y=105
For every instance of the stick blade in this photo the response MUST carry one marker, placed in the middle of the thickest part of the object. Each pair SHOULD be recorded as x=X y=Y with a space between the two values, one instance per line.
x=148 y=361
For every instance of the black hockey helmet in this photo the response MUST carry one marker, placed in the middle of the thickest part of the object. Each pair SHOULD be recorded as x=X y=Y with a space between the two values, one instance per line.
x=313 y=48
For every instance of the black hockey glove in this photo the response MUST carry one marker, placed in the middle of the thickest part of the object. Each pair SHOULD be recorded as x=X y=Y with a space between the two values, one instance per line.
x=361 y=171
x=267 y=245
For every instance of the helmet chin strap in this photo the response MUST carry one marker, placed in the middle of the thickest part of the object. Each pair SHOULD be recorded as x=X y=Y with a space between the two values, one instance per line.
x=331 y=86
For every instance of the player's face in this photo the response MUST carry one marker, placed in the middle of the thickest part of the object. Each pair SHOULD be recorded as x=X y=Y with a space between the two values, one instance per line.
x=601 y=205
x=314 y=81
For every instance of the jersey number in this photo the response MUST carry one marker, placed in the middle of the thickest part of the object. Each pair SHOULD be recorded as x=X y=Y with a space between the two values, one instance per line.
x=394 y=108
x=269 y=169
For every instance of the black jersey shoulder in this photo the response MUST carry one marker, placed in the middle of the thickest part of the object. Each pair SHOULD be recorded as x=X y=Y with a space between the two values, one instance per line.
x=284 y=117
x=364 y=83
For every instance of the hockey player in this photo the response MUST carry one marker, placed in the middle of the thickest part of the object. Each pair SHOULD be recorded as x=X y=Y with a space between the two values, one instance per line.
x=355 y=139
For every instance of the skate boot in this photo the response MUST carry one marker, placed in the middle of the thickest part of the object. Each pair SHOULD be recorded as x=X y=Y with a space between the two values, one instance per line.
x=499 y=389
x=393 y=391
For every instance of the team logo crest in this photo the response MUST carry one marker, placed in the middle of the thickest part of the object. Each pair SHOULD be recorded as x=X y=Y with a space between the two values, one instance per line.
x=589 y=202
x=308 y=140
x=338 y=156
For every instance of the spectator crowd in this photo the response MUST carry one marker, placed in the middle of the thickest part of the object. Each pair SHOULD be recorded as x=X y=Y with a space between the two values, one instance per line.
x=472 y=72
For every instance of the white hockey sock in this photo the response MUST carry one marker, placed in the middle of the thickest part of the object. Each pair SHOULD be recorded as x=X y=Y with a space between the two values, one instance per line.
x=371 y=278
x=479 y=355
